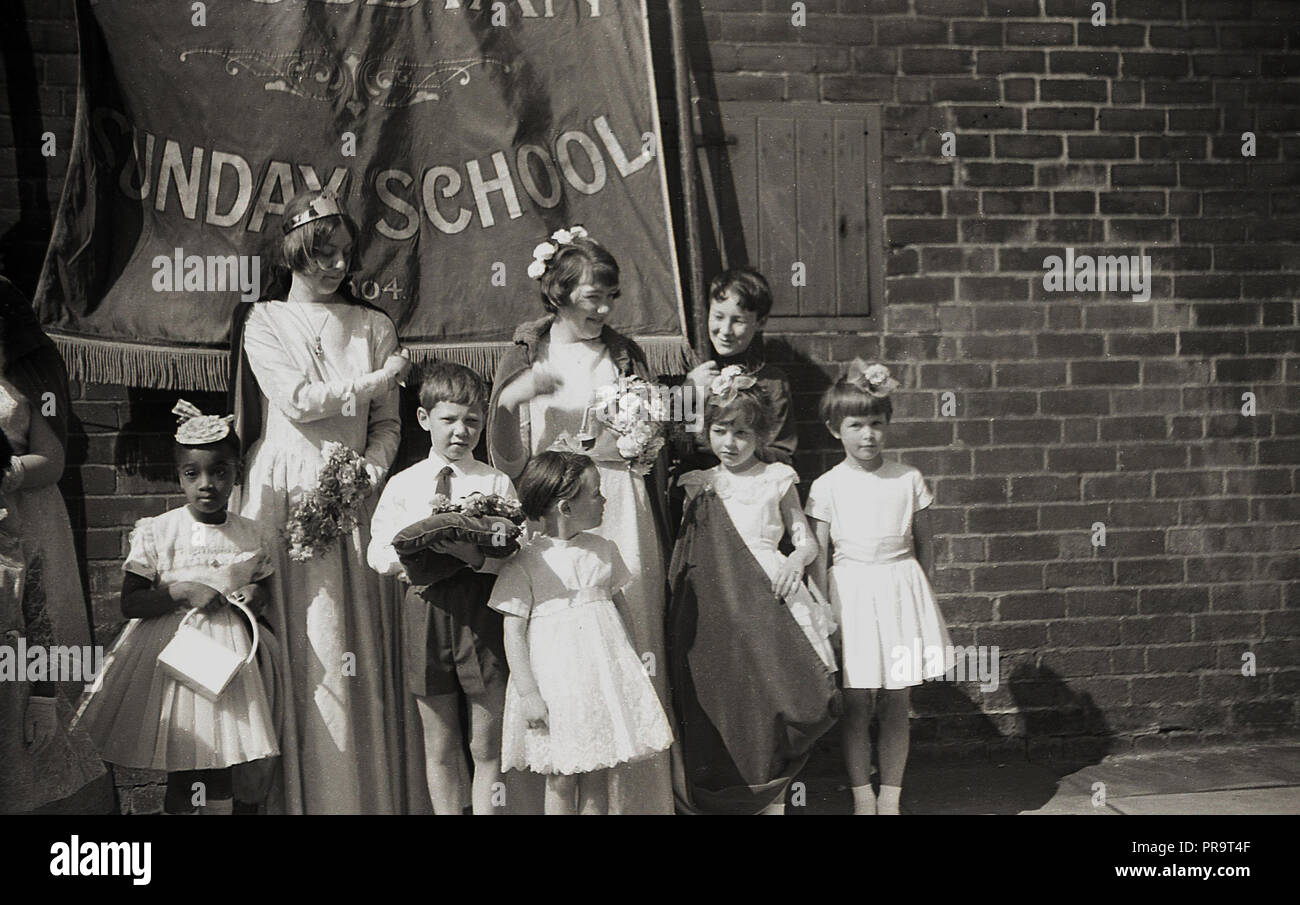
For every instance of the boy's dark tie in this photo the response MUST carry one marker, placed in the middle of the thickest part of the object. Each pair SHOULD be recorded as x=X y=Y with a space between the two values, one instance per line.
x=443 y=486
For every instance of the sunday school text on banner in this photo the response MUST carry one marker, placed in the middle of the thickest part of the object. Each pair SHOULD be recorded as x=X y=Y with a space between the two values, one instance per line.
x=459 y=135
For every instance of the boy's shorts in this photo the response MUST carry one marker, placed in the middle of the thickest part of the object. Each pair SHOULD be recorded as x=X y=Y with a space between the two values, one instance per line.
x=452 y=641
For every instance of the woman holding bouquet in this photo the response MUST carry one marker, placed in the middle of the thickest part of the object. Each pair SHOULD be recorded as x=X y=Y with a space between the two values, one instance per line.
x=543 y=389
x=314 y=365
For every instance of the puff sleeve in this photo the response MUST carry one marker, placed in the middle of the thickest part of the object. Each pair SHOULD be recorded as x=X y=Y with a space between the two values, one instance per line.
x=513 y=592
x=142 y=558
x=820 y=503
x=922 y=498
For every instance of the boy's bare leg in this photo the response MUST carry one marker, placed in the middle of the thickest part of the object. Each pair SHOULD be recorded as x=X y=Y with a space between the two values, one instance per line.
x=444 y=761
x=485 y=712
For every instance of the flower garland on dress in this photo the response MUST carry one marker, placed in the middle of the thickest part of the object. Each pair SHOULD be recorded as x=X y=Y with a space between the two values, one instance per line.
x=331 y=509
x=543 y=253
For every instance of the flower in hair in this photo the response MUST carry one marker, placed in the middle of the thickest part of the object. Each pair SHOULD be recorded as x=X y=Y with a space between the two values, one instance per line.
x=198 y=429
x=543 y=253
x=730 y=380
x=566 y=236
x=873 y=378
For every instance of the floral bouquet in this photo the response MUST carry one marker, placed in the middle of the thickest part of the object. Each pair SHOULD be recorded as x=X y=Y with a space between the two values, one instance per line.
x=329 y=510
x=634 y=410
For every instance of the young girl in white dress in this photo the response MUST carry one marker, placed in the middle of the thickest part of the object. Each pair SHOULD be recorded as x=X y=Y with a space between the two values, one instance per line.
x=543 y=388
x=199 y=556
x=578 y=701
x=748 y=640
x=869 y=513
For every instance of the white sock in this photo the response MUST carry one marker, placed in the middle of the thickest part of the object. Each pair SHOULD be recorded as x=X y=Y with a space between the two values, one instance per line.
x=219 y=807
x=888 y=803
x=864 y=800
x=776 y=809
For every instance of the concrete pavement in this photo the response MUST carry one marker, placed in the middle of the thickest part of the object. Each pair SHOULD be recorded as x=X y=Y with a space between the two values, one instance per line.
x=1248 y=779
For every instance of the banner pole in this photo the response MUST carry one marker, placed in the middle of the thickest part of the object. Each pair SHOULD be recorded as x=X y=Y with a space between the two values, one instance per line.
x=686 y=159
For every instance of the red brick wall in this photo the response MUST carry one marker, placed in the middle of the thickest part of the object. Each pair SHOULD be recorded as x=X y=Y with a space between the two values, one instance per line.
x=1071 y=408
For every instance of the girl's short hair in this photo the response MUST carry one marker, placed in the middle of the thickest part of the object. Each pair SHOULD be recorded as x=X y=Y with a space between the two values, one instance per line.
x=446 y=381
x=752 y=406
x=753 y=294
x=229 y=444
x=848 y=400
x=299 y=246
x=572 y=262
x=550 y=476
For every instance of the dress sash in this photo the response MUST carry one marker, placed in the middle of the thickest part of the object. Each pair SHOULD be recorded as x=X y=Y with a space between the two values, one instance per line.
x=871 y=551
x=580 y=597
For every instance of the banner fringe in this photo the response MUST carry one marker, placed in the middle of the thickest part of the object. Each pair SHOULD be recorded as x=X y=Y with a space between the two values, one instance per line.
x=157 y=367
x=664 y=354
x=178 y=368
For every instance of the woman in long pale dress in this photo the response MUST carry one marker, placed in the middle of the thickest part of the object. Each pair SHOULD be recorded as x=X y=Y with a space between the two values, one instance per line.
x=325 y=369
x=36 y=392
x=43 y=761
x=542 y=389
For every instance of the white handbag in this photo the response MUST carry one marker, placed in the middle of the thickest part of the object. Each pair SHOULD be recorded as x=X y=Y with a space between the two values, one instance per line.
x=201 y=662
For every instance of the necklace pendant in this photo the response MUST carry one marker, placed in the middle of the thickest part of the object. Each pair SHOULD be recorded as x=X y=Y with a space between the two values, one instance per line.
x=320 y=350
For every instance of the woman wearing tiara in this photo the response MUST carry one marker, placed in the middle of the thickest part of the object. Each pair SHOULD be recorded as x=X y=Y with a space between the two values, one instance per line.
x=311 y=366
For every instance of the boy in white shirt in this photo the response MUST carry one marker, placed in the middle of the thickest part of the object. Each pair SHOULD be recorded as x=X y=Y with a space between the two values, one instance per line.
x=453 y=644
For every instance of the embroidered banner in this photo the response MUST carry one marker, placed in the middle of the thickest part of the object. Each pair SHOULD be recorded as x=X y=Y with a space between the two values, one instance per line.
x=459 y=133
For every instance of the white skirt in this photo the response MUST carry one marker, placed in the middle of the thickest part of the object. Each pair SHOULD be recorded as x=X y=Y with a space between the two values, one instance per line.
x=601 y=708
x=893 y=635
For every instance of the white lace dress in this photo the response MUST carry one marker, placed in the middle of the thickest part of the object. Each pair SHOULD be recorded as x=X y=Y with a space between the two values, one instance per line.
x=753 y=501
x=601 y=708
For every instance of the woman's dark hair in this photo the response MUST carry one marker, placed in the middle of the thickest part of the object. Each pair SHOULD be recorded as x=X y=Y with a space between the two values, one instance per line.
x=550 y=476
x=750 y=405
x=753 y=294
x=296 y=249
x=848 y=400
x=571 y=263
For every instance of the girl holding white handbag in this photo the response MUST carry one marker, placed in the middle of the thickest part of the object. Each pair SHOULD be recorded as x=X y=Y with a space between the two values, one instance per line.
x=180 y=690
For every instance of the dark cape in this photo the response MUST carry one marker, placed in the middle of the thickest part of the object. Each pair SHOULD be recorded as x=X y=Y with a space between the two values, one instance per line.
x=750 y=694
